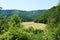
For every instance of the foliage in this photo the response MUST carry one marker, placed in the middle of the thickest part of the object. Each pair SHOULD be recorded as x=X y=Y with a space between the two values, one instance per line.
x=15 y=30
x=12 y=29
x=52 y=18
x=24 y=15
x=3 y=25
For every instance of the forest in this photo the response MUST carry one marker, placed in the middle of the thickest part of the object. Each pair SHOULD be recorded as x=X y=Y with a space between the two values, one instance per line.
x=24 y=15
x=11 y=27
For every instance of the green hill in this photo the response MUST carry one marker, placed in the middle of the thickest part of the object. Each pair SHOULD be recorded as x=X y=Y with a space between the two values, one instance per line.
x=25 y=15
x=52 y=18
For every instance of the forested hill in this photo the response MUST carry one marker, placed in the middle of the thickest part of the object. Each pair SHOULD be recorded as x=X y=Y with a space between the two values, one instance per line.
x=49 y=16
x=52 y=18
x=25 y=15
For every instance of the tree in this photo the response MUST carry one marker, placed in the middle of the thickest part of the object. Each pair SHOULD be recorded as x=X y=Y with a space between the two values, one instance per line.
x=3 y=25
x=15 y=21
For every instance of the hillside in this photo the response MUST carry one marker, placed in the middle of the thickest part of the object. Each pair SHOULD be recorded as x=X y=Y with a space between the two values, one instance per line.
x=52 y=18
x=50 y=13
x=25 y=15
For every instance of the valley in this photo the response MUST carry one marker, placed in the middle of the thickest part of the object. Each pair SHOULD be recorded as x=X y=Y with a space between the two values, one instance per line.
x=30 y=25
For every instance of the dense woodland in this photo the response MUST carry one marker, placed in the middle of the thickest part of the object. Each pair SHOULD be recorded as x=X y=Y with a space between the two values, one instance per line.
x=12 y=29
x=24 y=15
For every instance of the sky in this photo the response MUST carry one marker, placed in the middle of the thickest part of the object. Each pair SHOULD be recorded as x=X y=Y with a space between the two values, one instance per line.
x=28 y=4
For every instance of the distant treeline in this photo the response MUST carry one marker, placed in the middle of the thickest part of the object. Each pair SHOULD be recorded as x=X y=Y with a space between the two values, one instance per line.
x=25 y=15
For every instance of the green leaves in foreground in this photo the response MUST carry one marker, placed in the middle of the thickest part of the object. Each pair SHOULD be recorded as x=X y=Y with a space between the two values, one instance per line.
x=15 y=30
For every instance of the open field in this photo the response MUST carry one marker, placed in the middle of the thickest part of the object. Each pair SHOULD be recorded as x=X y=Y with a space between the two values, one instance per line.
x=34 y=25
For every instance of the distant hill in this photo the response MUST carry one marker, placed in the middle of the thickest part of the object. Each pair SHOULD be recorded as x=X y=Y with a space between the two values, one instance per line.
x=25 y=15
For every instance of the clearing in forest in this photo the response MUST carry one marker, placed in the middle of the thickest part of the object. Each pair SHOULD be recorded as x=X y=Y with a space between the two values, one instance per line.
x=34 y=25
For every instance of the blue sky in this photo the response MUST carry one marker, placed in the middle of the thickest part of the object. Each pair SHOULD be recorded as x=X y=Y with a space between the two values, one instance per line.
x=28 y=4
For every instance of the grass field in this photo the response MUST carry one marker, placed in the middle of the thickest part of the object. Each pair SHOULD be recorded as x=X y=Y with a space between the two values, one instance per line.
x=34 y=25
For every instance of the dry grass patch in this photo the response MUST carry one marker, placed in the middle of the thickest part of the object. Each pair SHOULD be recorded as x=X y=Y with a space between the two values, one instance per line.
x=34 y=25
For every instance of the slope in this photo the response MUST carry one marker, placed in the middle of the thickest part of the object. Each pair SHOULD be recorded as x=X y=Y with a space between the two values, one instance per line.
x=25 y=15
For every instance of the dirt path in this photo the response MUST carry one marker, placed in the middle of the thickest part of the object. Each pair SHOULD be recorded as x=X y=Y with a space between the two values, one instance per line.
x=34 y=25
